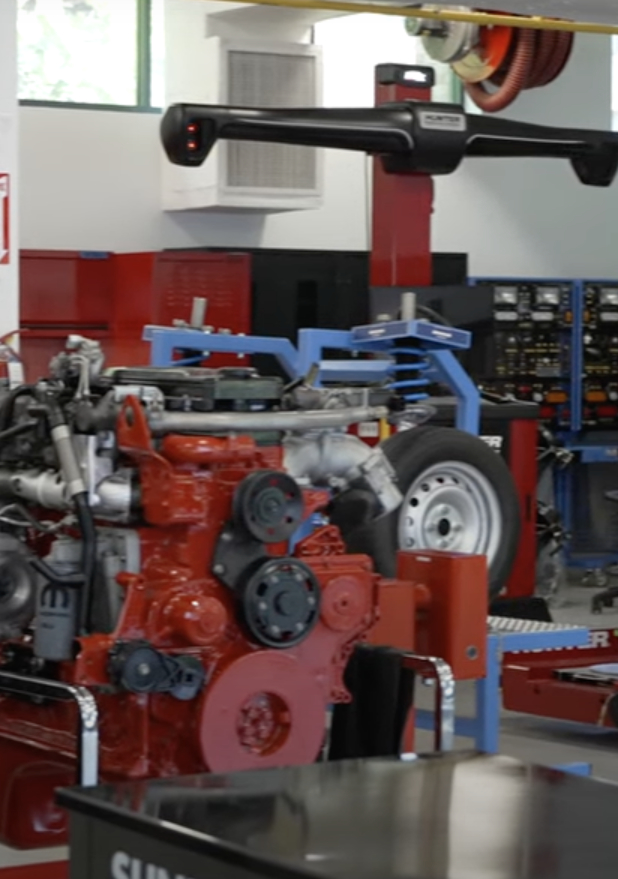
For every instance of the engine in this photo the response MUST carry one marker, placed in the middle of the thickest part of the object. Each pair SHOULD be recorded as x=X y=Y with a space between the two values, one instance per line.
x=166 y=542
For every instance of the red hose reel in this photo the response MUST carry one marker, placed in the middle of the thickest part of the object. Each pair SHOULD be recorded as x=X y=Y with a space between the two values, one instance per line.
x=517 y=60
x=496 y=63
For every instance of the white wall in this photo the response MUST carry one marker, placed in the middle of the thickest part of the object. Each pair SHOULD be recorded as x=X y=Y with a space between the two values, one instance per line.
x=9 y=274
x=90 y=180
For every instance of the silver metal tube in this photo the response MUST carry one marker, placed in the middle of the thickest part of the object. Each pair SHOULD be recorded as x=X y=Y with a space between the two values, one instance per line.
x=69 y=465
x=48 y=489
x=44 y=487
x=220 y=422
x=198 y=312
x=341 y=458
x=408 y=306
x=442 y=673
x=88 y=724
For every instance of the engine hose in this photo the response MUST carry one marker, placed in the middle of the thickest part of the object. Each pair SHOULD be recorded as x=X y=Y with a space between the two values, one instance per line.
x=62 y=438
x=8 y=406
x=88 y=531
x=17 y=430
x=538 y=58
x=54 y=577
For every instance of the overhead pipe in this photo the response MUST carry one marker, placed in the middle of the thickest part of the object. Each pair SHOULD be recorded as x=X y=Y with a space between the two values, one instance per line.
x=481 y=19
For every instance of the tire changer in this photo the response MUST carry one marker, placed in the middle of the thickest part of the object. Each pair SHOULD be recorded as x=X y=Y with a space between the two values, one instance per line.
x=153 y=569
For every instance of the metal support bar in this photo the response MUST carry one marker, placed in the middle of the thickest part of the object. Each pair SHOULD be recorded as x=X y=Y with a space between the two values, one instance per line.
x=451 y=372
x=505 y=636
x=88 y=724
x=166 y=340
x=444 y=718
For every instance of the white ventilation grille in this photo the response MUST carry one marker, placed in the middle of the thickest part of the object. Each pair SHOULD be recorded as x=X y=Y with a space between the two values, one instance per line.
x=260 y=79
x=242 y=175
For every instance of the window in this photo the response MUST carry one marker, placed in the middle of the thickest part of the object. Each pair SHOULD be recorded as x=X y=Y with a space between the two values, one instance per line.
x=91 y=52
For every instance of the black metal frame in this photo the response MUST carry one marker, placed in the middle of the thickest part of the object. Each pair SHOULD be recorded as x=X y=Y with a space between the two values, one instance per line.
x=144 y=73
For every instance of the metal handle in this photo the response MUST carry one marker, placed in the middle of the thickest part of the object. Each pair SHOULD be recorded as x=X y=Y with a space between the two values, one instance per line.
x=88 y=724
x=441 y=672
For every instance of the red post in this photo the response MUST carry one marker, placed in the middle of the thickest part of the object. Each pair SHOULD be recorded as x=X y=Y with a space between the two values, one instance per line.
x=402 y=203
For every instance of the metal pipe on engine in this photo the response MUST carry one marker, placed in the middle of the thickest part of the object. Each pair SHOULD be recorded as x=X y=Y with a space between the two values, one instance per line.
x=339 y=458
x=45 y=488
x=162 y=423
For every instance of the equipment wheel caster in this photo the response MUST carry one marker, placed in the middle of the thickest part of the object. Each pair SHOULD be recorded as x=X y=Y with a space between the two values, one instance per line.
x=595 y=578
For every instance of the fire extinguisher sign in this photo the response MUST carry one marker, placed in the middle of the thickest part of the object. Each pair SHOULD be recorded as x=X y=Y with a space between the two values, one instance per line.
x=5 y=212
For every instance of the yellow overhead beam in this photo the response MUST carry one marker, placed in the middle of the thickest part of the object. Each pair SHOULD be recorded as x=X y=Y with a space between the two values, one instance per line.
x=479 y=18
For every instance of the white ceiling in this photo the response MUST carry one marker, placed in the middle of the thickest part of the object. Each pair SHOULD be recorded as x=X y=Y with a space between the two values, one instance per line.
x=578 y=10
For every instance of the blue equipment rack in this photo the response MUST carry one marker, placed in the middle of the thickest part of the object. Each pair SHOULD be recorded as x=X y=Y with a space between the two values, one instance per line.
x=588 y=447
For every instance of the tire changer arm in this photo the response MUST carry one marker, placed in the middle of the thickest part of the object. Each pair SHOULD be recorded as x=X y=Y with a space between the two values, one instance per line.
x=409 y=137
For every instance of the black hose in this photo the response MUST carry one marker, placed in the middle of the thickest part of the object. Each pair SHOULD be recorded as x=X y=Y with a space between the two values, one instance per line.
x=17 y=430
x=53 y=576
x=61 y=437
x=8 y=407
x=87 y=527
x=434 y=316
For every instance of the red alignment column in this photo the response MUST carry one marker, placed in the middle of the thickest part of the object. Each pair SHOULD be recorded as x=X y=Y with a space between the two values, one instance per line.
x=402 y=203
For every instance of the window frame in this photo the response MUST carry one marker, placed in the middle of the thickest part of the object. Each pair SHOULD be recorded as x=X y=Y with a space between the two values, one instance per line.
x=144 y=74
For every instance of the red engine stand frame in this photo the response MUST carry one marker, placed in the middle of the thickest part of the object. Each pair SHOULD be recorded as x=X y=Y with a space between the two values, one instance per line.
x=545 y=683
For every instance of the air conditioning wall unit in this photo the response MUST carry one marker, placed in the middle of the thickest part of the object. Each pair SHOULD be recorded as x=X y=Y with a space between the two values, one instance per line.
x=239 y=174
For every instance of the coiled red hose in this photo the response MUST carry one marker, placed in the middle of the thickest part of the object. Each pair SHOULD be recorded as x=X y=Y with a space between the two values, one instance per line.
x=536 y=59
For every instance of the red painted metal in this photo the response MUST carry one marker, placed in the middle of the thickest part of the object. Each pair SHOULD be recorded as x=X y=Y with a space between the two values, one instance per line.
x=261 y=707
x=522 y=461
x=47 y=870
x=111 y=296
x=531 y=682
x=159 y=288
x=437 y=606
x=402 y=208
x=61 y=292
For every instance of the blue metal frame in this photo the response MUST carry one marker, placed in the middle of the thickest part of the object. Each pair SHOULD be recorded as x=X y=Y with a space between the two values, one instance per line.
x=589 y=451
x=436 y=343
x=484 y=728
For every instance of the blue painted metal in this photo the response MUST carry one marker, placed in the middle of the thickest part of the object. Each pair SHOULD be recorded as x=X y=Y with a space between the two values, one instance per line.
x=435 y=344
x=484 y=727
x=165 y=341
x=393 y=331
x=452 y=373
x=582 y=769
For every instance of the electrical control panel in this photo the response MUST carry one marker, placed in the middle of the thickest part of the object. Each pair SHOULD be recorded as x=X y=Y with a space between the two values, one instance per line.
x=531 y=351
x=600 y=355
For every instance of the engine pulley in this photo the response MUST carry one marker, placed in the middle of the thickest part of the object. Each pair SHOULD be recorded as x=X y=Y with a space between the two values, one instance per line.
x=270 y=505
x=265 y=710
x=139 y=668
x=281 y=602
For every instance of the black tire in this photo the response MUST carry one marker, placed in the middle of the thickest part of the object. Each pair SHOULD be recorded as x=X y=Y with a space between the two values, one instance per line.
x=413 y=452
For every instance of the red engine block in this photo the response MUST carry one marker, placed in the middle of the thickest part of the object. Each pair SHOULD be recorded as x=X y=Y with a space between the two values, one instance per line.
x=259 y=706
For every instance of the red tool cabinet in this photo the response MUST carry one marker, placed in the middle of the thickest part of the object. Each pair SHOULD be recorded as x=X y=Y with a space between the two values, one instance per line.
x=111 y=296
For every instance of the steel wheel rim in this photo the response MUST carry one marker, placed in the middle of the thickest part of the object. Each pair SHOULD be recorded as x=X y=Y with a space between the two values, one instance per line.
x=452 y=507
